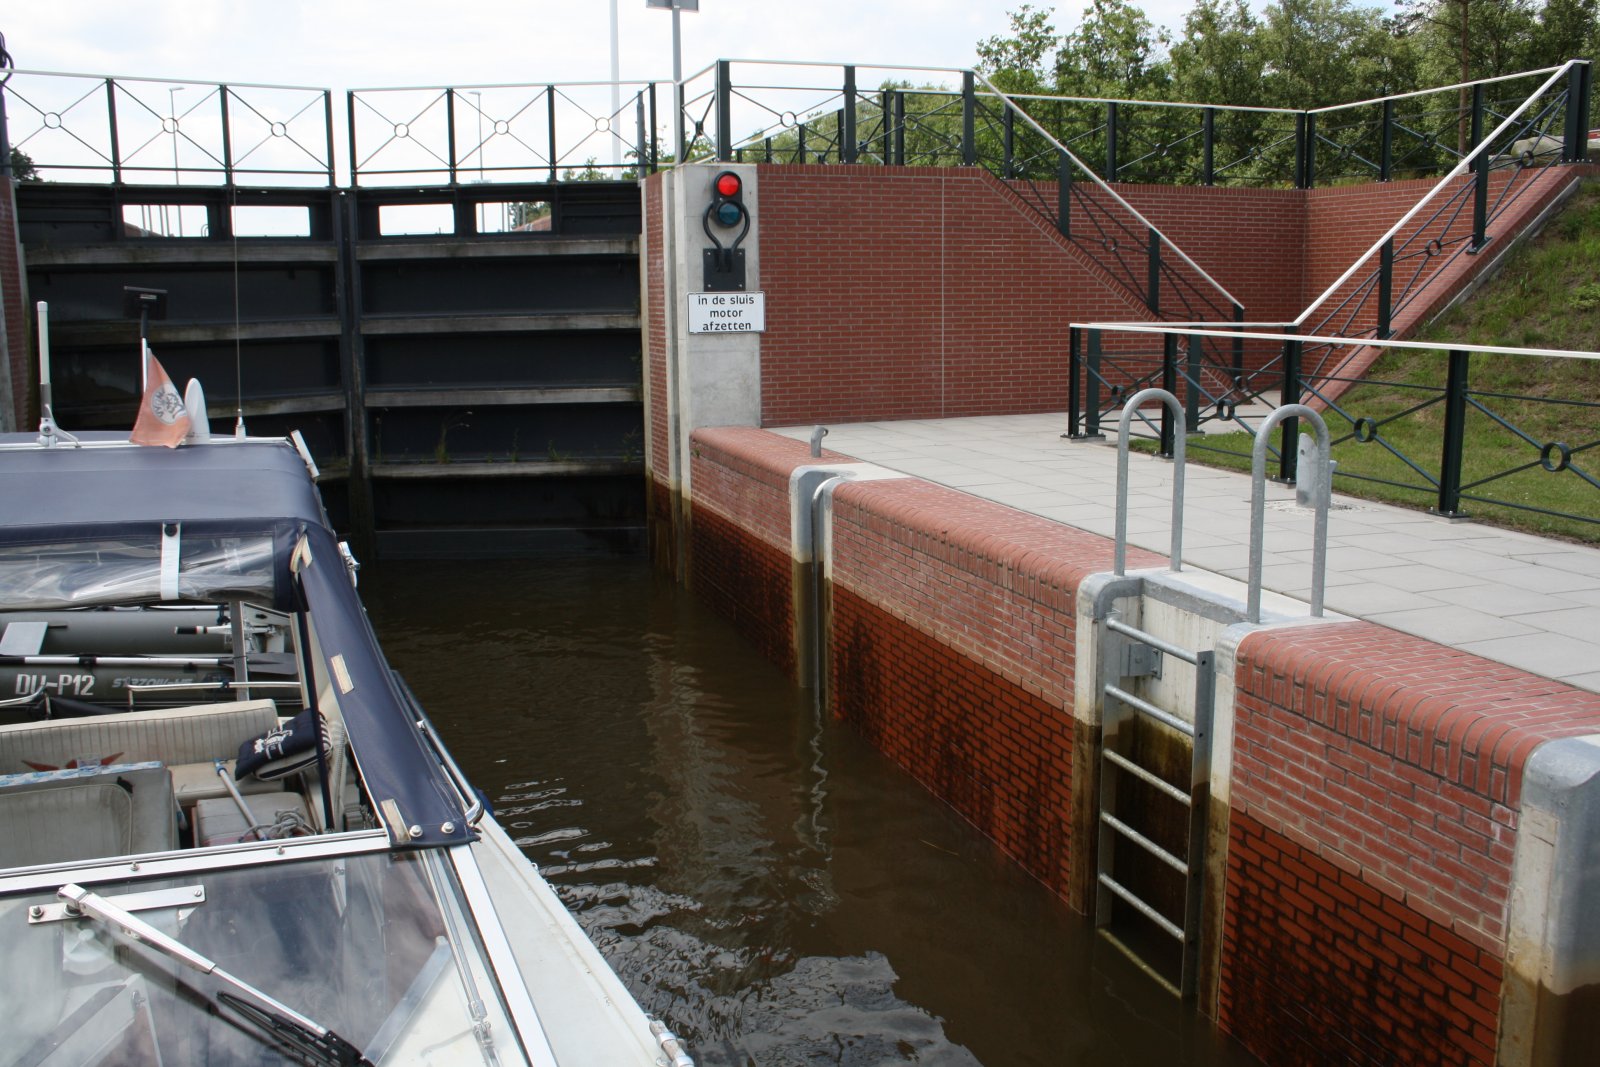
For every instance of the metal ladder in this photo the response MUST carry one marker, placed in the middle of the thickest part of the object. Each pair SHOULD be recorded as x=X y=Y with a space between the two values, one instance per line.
x=1128 y=652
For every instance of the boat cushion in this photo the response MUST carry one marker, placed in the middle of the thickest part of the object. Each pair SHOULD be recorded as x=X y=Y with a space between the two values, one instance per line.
x=88 y=813
x=279 y=752
x=195 y=734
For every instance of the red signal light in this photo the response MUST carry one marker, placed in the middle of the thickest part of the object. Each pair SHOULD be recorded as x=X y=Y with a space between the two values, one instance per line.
x=728 y=184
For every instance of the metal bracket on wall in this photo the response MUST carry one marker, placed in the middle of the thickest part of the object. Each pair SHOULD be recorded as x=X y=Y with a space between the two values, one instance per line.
x=723 y=270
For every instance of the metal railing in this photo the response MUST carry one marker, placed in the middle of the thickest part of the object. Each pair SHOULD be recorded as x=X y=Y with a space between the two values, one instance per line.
x=1526 y=440
x=83 y=127
x=520 y=133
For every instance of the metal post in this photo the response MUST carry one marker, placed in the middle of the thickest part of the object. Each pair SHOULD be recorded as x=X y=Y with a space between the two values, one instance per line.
x=1008 y=127
x=5 y=137
x=450 y=133
x=1289 y=438
x=350 y=142
x=847 y=129
x=1091 y=381
x=1386 y=290
x=1386 y=156
x=327 y=125
x=1074 y=386
x=1480 y=171
x=1169 y=383
x=1585 y=91
x=800 y=142
x=550 y=117
x=227 y=139
x=1064 y=195
x=1300 y=150
x=1191 y=393
x=1111 y=142
x=111 y=117
x=1455 y=422
x=883 y=119
x=1311 y=150
x=900 y=128
x=1576 y=138
x=768 y=150
x=1208 y=137
x=969 y=106
x=655 y=143
x=1238 y=348
x=724 y=111
x=638 y=131
x=677 y=110
x=1152 y=295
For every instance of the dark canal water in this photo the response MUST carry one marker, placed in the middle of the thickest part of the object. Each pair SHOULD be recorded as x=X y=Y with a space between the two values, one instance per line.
x=765 y=882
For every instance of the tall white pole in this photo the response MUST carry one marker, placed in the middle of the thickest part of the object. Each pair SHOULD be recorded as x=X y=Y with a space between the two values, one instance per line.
x=616 y=94
x=677 y=79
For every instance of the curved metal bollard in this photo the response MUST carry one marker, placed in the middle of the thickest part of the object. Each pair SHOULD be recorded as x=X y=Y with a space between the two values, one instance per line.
x=1129 y=408
x=1258 y=485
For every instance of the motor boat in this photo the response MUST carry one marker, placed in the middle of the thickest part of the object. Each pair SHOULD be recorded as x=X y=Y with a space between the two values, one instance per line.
x=229 y=834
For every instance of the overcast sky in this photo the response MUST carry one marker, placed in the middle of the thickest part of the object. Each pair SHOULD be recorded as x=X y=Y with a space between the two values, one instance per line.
x=342 y=44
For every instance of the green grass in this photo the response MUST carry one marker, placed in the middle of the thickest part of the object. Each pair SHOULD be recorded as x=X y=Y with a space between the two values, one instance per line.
x=1546 y=296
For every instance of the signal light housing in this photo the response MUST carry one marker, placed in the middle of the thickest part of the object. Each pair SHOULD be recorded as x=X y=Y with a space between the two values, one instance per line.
x=727 y=199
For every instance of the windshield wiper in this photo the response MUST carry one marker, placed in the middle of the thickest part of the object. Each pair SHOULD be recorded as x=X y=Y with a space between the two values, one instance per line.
x=304 y=1038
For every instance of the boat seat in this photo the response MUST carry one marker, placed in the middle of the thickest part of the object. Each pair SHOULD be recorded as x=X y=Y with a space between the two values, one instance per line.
x=66 y=816
x=197 y=733
x=194 y=782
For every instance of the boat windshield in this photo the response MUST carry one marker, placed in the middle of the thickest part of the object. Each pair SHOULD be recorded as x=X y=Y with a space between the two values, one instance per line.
x=376 y=947
x=132 y=570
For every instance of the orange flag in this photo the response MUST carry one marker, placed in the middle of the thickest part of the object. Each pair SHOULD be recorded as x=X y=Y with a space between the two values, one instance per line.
x=163 y=420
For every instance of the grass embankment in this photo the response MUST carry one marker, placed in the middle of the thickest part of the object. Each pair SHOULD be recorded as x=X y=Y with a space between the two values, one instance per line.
x=1547 y=295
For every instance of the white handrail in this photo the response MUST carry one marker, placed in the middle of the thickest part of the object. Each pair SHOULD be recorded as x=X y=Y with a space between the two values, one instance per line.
x=1349 y=342
x=1456 y=171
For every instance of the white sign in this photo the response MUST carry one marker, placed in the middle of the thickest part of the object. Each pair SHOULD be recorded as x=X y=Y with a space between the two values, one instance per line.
x=727 y=312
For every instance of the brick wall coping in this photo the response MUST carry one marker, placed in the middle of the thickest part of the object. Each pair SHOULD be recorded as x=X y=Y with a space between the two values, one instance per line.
x=1464 y=719
x=757 y=454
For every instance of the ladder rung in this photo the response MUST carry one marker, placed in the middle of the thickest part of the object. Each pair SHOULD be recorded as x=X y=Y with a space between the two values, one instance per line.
x=1145 y=843
x=1152 y=640
x=1133 y=958
x=1140 y=704
x=1144 y=909
x=1145 y=776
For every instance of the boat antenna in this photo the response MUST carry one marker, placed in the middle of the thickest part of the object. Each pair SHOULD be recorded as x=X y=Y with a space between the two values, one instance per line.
x=50 y=434
x=238 y=355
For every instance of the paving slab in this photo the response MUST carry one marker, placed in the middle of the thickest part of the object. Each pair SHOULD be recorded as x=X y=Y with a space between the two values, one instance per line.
x=1509 y=596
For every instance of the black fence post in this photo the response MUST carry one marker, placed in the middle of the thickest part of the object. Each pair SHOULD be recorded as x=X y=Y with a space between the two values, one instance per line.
x=1585 y=92
x=847 y=128
x=969 y=108
x=724 y=111
x=1300 y=150
x=1455 y=421
x=1208 y=141
x=1191 y=392
x=800 y=142
x=1311 y=151
x=883 y=118
x=1111 y=142
x=1289 y=435
x=1169 y=382
x=1238 y=348
x=227 y=137
x=1074 y=384
x=1386 y=152
x=1480 y=171
x=1008 y=127
x=1386 y=290
x=1064 y=195
x=116 y=148
x=1152 y=296
x=5 y=136
x=450 y=132
x=680 y=150
x=899 y=128
x=550 y=117
x=655 y=141
x=327 y=126
x=768 y=150
x=1576 y=138
x=350 y=123
x=638 y=131
x=1091 y=382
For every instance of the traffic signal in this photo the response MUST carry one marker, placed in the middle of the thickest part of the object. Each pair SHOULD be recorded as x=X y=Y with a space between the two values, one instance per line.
x=727 y=200
x=724 y=261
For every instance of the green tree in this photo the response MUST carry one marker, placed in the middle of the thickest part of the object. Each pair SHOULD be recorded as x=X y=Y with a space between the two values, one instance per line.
x=1022 y=62
x=1113 y=52
x=22 y=168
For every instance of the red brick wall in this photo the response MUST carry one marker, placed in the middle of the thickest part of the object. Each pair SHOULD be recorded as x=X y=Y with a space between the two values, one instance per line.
x=1375 y=789
x=897 y=293
x=740 y=558
x=16 y=313
x=953 y=652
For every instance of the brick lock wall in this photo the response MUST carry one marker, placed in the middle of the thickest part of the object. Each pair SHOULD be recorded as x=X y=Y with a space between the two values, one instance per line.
x=16 y=319
x=952 y=652
x=897 y=293
x=1375 y=791
x=740 y=557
